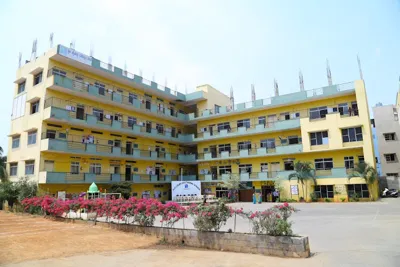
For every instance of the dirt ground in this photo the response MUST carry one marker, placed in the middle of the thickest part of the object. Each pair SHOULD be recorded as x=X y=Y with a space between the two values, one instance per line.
x=24 y=237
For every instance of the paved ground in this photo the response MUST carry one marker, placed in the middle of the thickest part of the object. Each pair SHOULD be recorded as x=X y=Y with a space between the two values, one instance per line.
x=341 y=234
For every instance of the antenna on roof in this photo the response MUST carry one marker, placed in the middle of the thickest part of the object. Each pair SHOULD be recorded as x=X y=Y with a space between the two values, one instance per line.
x=34 y=46
x=232 y=99
x=141 y=73
x=359 y=68
x=276 y=87
x=91 y=50
x=328 y=72
x=186 y=91
x=19 y=59
x=154 y=77
x=72 y=44
x=253 y=93
x=51 y=39
x=166 y=82
x=301 y=81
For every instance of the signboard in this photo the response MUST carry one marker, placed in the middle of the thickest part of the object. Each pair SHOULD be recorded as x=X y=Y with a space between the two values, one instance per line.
x=185 y=188
x=294 y=189
x=75 y=55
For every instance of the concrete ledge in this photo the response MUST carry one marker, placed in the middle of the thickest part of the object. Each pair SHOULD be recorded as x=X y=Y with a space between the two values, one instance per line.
x=281 y=246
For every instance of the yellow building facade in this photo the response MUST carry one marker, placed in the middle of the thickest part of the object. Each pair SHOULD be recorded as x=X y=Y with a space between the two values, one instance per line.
x=77 y=120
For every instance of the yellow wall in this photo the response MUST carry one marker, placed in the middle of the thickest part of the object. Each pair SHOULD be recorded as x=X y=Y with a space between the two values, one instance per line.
x=214 y=97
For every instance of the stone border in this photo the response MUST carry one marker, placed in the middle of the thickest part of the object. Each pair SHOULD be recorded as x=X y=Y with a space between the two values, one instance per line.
x=281 y=246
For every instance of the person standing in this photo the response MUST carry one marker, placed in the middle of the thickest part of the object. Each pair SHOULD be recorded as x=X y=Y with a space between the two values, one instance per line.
x=260 y=198
x=254 y=198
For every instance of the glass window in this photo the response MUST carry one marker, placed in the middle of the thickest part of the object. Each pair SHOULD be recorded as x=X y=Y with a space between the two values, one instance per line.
x=225 y=170
x=264 y=167
x=352 y=135
x=361 y=159
x=59 y=72
x=390 y=158
x=132 y=97
x=95 y=168
x=34 y=107
x=243 y=123
x=360 y=189
x=244 y=145
x=285 y=116
x=268 y=143
x=318 y=113
x=15 y=141
x=225 y=147
x=349 y=162
x=131 y=121
x=323 y=164
x=392 y=174
x=101 y=87
x=289 y=164
x=319 y=138
x=160 y=128
x=216 y=109
x=37 y=78
x=51 y=134
x=223 y=126
x=261 y=120
x=245 y=168
x=29 y=167
x=98 y=113
x=32 y=137
x=75 y=167
x=293 y=140
x=221 y=192
x=324 y=191
x=389 y=136
x=13 y=169
x=21 y=87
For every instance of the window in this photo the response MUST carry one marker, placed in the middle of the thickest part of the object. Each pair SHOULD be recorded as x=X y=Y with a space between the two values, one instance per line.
x=343 y=109
x=392 y=174
x=261 y=120
x=293 y=140
x=349 y=162
x=98 y=113
x=75 y=167
x=32 y=138
x=264 y=167
x=319 y=138
x=221 y=192
x=95 y=168
x=361 y=159
x=51 y=134
x=224 y=148
x=131 y=121
x=223 y=126
x=268 y=143
x=29 y=167
x=352 y=135
x=225 y=170
x=160 y=128
x=117 y=143
x=390 y=158
x=244 y=145
x=360 y=189
x=243 y=123
x=15 y=141
x=21 y=87
x=389 y=136
x=324 y=191
x=318 y=113
x=59 y=72
x=245 y=168
x=13 y=169
x=216 y=109
x=285 y=116
x=323 y=164
x=132 y=97
x=37 y=78
x=288 y=164
x=101 y=87
x=34 y=107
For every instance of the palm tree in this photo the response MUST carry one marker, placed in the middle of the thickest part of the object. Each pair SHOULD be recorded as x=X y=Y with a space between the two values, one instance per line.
x=367 y=172
x=303 y=172
x=3 y=163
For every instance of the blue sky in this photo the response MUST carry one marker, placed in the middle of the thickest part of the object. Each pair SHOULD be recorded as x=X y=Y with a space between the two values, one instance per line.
x=220 y=42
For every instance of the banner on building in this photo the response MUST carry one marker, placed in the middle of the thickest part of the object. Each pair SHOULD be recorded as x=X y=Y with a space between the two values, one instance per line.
x=187 y=188
x=75 y=55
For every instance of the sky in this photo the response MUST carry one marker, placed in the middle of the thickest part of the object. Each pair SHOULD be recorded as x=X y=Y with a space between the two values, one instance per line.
x=224 y=43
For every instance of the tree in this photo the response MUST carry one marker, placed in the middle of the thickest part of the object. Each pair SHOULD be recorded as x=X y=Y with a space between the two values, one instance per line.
x=9 y=192
x=26 y=188
x=3 y=164
x=124 y=188
x=233 y=184
x=367 y=172
x=304 y=172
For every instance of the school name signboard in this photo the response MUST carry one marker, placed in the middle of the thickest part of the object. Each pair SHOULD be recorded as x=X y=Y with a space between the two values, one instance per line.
x=185 y=188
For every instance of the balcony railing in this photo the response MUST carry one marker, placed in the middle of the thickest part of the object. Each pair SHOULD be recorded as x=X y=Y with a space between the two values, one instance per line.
x=112 y=93
x=278 y=100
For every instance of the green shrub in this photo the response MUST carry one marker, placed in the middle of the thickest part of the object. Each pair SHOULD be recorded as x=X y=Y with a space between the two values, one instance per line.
x=314 y=197
x=328 y=200
x=288 y=200
x=355 y=198
x=207 y=217
x=343 y=199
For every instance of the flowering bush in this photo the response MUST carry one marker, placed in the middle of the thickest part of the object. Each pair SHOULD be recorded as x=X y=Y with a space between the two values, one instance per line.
x=210 y=217
x=273 y=221
x=172 y=213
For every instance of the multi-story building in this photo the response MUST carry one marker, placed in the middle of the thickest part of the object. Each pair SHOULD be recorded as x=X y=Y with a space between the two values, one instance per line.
x=387 y=125
x=77 y=120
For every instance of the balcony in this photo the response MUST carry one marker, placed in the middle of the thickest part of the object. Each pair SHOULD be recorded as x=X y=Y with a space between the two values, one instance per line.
x=252 y=153
x=77 y=178
x=61 y=115
x=146 y=178
x=309 y=95
x=253 y=129
x=112 y=97
x=64 y=146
